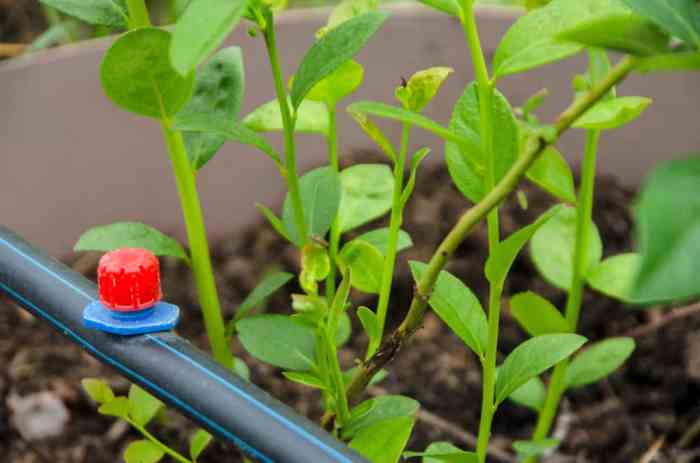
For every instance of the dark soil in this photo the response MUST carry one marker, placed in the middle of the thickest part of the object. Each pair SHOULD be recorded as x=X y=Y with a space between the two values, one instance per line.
x=655 y=395
x=20 y=21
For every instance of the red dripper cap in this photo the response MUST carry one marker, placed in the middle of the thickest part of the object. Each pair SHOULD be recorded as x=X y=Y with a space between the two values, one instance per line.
x=129 y=279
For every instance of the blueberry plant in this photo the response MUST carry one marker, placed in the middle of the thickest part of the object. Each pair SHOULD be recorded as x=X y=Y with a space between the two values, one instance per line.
x=180 y=78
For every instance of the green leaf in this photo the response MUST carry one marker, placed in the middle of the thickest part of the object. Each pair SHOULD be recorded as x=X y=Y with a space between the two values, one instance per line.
x=532 y=394
x=668 y=232
x=458 y=307
x=615 y=276
x=241 y=369
x=416 y=160
x=534 y=448
x=599 y=66
x=143 y=451
x=344 y=331
x=320 y=192
x=366 y=265
x=332 y=50
x=201 y=29
x=304 y=378
x=129 y=235
x=613 y=113
x=346 y=10
x=680 y=18
x=598 y=361
x=111 y=13
x=375 y=134
x=379 y=238
x=278 y=340
x=383 y=442
x=552 y=247
x=623 y=31
x=450 y=7
x=198 y=443
x=537 y=315
x=311 y=117
x=422 y=87
x=533 y=357
x=179 y=7
x=338 y=84
x=467 y=166
x=439 y=452
x=370 y=324
x=218 y=93
x=383 y=408
x=531 y=41
x=274 y=220
x=119 y=407
x=533 y=102
x=309 y=304
x=98 y=390
x=137 y=75
x=503 y=255
x=232 y=130
x=315 y=265
x=55 y=35
x=270 y=283
x=361 y=410
x=670 y=62
x=552 y=173
x=143 y=405
x=402 y=115
x=367 y=191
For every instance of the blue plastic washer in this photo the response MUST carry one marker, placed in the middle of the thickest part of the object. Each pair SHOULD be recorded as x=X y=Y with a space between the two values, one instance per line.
x=160 y=317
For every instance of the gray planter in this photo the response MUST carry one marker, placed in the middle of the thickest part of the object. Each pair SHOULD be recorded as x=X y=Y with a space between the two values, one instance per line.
x=71 y=160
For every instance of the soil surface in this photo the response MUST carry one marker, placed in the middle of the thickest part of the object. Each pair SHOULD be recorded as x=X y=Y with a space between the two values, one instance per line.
x=20 y=20
x=653 y=400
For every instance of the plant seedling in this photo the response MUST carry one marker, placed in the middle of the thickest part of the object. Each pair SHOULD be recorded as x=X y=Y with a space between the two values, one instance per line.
x=195 y=91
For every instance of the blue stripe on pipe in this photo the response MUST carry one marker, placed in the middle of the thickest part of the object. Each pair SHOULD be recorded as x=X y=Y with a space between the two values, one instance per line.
x=129 y=372
x=236 y=440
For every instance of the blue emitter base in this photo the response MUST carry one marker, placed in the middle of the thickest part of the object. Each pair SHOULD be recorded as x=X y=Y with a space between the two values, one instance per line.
x=160 y=317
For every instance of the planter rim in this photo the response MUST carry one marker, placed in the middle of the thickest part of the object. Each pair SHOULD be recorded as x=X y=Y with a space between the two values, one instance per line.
x=294 y=16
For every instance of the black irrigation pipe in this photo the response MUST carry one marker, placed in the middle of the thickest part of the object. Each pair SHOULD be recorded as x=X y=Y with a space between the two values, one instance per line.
x=166 y=365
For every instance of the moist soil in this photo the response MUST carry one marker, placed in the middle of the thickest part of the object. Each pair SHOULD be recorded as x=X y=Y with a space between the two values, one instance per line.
x=653 y=400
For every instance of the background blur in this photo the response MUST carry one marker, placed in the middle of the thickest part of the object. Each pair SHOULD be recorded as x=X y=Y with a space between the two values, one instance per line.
x=71 y=160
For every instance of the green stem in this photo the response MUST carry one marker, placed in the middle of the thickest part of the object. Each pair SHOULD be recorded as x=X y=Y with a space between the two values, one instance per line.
x=341 y=400
x=172 y=453
x=199 y=247
x=583 y=219
x=330 y=331
x=485 y=94
x=469 y=219
x=334 y=241
x=333 y=138
x=557 y=383
x=138 y=14
x=288 y=122
x=488 y=407
x=393 y=239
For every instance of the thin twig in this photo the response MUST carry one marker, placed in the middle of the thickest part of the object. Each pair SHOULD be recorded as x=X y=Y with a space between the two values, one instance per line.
x=665 y=319
x=690 y=435
x=414 y=318
x=650 y=454
x=8 y=50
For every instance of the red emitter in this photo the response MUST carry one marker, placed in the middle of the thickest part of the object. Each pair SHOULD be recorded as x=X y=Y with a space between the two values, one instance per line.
x=130 y=296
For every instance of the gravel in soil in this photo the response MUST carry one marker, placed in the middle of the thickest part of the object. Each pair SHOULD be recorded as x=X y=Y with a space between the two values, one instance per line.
x=655 y=395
